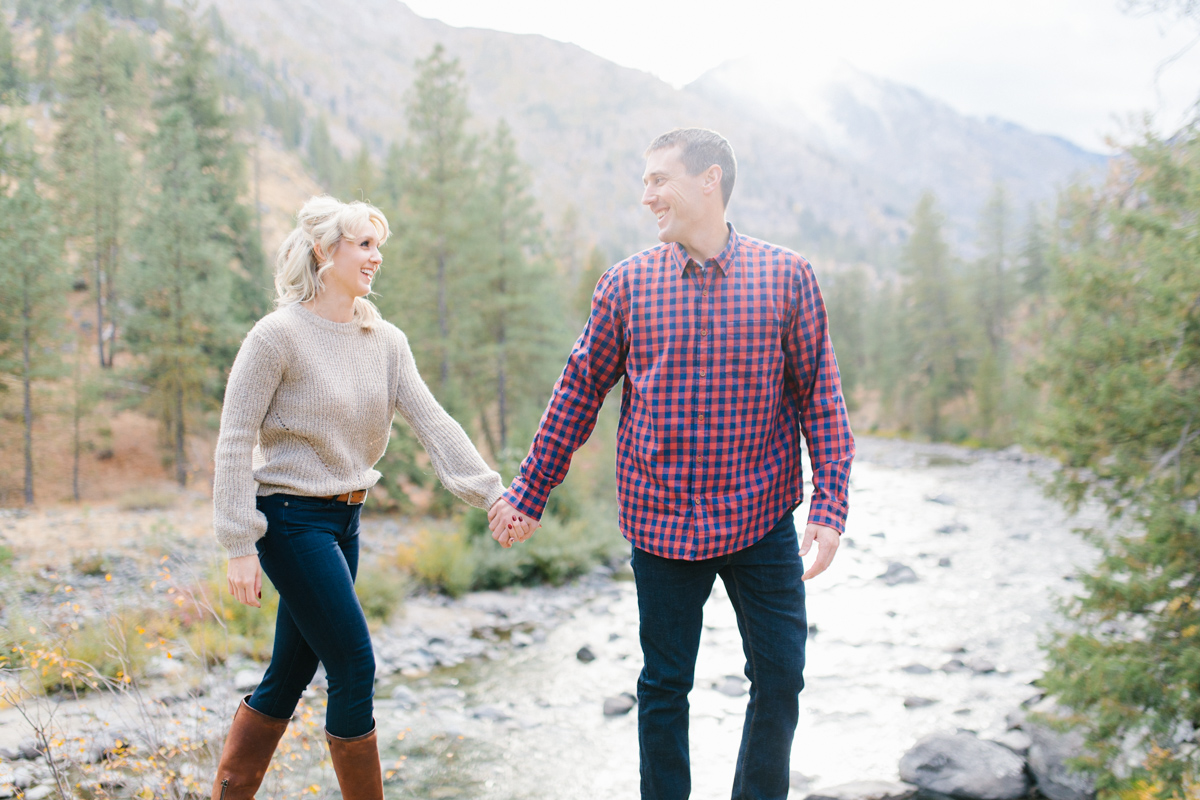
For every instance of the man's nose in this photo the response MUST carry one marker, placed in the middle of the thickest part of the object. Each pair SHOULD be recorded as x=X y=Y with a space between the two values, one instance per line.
x=647 y=196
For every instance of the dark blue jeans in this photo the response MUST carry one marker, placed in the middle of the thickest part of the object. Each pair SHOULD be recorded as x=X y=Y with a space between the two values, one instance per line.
x=764 y=584
x=310 y=553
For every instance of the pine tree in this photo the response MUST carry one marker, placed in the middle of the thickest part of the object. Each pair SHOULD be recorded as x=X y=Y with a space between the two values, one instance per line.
x=597 y=264
x=94 y=187
x=507 y=342
x=936 y=368
x=442 y=179
x=12 y=79
x=994 y=290
x=189 y=81
x=32 y=284
x=1034 y=264
x=324 y=157
x=1122 y=364
x=181 y=321
x=847 y=299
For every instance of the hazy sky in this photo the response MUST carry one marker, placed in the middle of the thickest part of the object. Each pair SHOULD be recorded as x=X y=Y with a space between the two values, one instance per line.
x=1077 y=68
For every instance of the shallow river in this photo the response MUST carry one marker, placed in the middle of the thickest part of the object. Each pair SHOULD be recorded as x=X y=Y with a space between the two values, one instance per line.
x=990 y=554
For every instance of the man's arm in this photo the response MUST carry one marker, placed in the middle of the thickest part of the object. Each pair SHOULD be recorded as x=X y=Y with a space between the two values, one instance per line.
x=596 y=363
x=823 y=419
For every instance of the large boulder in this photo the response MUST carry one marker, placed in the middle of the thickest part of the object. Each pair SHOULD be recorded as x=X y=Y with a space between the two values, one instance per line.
x=963 y=765
x=866 y=790
x=1049 y=751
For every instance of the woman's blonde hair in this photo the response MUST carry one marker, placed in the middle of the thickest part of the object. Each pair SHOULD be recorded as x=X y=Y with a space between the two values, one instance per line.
x=325 y=221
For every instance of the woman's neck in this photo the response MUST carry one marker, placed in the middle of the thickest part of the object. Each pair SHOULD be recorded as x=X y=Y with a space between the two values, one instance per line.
x=334 y=309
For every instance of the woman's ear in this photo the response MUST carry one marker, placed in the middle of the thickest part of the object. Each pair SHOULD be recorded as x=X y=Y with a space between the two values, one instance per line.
x=318 y=253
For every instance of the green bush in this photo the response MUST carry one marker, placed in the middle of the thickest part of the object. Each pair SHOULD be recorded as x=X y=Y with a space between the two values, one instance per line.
x=381 y=589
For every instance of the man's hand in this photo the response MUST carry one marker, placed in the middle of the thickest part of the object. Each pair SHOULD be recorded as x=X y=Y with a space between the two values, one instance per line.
x=508 y=525
x=245 y=580
x=827 y=540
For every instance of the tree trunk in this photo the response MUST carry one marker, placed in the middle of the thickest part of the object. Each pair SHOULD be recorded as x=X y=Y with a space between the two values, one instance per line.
x=77 y=412
x=443 y=322
x=180 y=458
x=96 y=263
x=26 y=318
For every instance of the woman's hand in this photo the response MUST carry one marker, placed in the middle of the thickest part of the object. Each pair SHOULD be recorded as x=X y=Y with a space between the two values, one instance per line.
x=245 y=580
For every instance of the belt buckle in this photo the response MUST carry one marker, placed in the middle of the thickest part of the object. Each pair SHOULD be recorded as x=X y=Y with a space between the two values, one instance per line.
x=356 y=498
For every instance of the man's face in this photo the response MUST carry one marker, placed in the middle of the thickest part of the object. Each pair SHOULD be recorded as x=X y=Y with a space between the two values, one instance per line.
x=676 y=198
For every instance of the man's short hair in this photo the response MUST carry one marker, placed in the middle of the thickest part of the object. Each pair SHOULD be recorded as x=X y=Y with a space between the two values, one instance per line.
x=700 y=148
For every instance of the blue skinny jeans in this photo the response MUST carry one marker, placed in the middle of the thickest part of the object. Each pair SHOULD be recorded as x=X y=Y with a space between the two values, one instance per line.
x=310 y=553
x=764 y=584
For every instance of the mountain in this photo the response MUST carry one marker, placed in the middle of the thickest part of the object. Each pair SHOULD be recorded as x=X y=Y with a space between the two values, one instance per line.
x=824 y=159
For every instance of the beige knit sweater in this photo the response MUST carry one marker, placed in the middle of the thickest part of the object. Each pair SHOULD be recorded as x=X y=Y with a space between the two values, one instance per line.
x=308 y=409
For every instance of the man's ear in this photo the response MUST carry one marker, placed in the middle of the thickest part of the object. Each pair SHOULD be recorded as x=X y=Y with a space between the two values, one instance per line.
x=712 y=179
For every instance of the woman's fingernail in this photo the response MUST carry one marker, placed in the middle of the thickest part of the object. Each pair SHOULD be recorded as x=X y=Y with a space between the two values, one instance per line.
x=260 y=595
x=510 y=527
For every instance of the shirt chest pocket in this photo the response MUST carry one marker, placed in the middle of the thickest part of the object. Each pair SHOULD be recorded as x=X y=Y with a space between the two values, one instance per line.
x=750 y=349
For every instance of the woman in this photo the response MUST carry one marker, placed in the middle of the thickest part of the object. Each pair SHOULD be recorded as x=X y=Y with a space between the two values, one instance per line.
x=308 y=409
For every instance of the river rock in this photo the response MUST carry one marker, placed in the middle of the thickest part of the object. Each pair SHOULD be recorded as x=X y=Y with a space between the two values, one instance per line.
x=405 y=697
x=1049 y=752
x=247 y=680
x=732 y=686
x=916 y=669
x=1017 y=741
x=30 y=749
x=962 y=765
x=585 y=654
x=918 y=702
x=39 y=792
x=980 y=666
x=621 y=704
x=22 y=777
x=866 y=790
x=898 y=573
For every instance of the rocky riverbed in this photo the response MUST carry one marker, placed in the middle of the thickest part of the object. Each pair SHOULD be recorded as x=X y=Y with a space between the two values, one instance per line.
x=928 y=621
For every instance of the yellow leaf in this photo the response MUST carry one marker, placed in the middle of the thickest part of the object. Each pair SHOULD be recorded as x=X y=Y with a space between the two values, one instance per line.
x=108 y=576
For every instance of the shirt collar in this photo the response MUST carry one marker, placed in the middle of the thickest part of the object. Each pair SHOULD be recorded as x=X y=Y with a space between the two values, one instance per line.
x=724 y=260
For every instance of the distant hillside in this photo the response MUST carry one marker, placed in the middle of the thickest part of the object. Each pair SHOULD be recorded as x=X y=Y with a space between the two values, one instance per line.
x=822 y=162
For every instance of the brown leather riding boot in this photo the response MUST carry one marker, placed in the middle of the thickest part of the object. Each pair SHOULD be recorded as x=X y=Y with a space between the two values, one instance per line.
x=247 y=753
x=356 y=763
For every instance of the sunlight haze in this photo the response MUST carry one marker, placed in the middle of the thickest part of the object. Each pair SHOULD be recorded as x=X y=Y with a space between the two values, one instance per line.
x=1078 y=69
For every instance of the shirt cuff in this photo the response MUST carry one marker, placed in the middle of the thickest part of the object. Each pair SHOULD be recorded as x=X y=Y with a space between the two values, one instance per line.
x=828 y=513
x=526 y=499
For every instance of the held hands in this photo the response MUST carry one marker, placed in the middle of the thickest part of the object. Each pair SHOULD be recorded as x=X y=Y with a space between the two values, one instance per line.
x=508 y=525
x=245 y=580
x=827 y=540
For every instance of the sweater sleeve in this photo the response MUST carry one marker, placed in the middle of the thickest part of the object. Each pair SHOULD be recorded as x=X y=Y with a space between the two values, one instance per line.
x=253 y=380
x=457 y=463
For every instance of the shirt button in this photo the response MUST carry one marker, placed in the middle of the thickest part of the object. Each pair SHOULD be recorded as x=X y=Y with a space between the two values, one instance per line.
x=702 y=373
x=704 y=293
x=701 y=415
x=704 y=331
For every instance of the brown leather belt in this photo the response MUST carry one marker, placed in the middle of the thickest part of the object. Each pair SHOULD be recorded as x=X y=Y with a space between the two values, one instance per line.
x=349 y=498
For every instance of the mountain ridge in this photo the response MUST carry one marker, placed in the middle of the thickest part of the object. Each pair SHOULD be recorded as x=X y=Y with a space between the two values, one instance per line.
x=582 y=122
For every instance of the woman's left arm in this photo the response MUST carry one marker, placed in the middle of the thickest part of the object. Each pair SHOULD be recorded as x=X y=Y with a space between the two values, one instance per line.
x=457 y=463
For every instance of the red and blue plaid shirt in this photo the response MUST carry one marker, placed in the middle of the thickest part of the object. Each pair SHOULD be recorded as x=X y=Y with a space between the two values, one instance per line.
x=724 y=367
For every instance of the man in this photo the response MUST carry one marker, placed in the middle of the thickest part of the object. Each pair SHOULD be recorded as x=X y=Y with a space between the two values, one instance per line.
x=723 y=346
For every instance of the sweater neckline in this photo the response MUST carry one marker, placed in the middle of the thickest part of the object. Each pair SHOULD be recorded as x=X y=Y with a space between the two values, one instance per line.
x=326 y=324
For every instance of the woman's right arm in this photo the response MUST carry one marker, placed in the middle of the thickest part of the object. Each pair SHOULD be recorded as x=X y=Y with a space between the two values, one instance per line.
x=237 y=521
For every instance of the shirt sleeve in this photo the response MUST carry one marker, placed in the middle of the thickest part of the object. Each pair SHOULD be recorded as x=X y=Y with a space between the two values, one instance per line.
x=596 y=363
x=457 y=463
x=253 y=380
x=823 y=418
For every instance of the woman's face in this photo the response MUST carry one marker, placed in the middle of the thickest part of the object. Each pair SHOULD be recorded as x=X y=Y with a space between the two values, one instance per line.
x=355 y=262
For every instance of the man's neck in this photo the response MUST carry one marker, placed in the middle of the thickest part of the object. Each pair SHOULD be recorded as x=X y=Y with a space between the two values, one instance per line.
x=708 y=243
